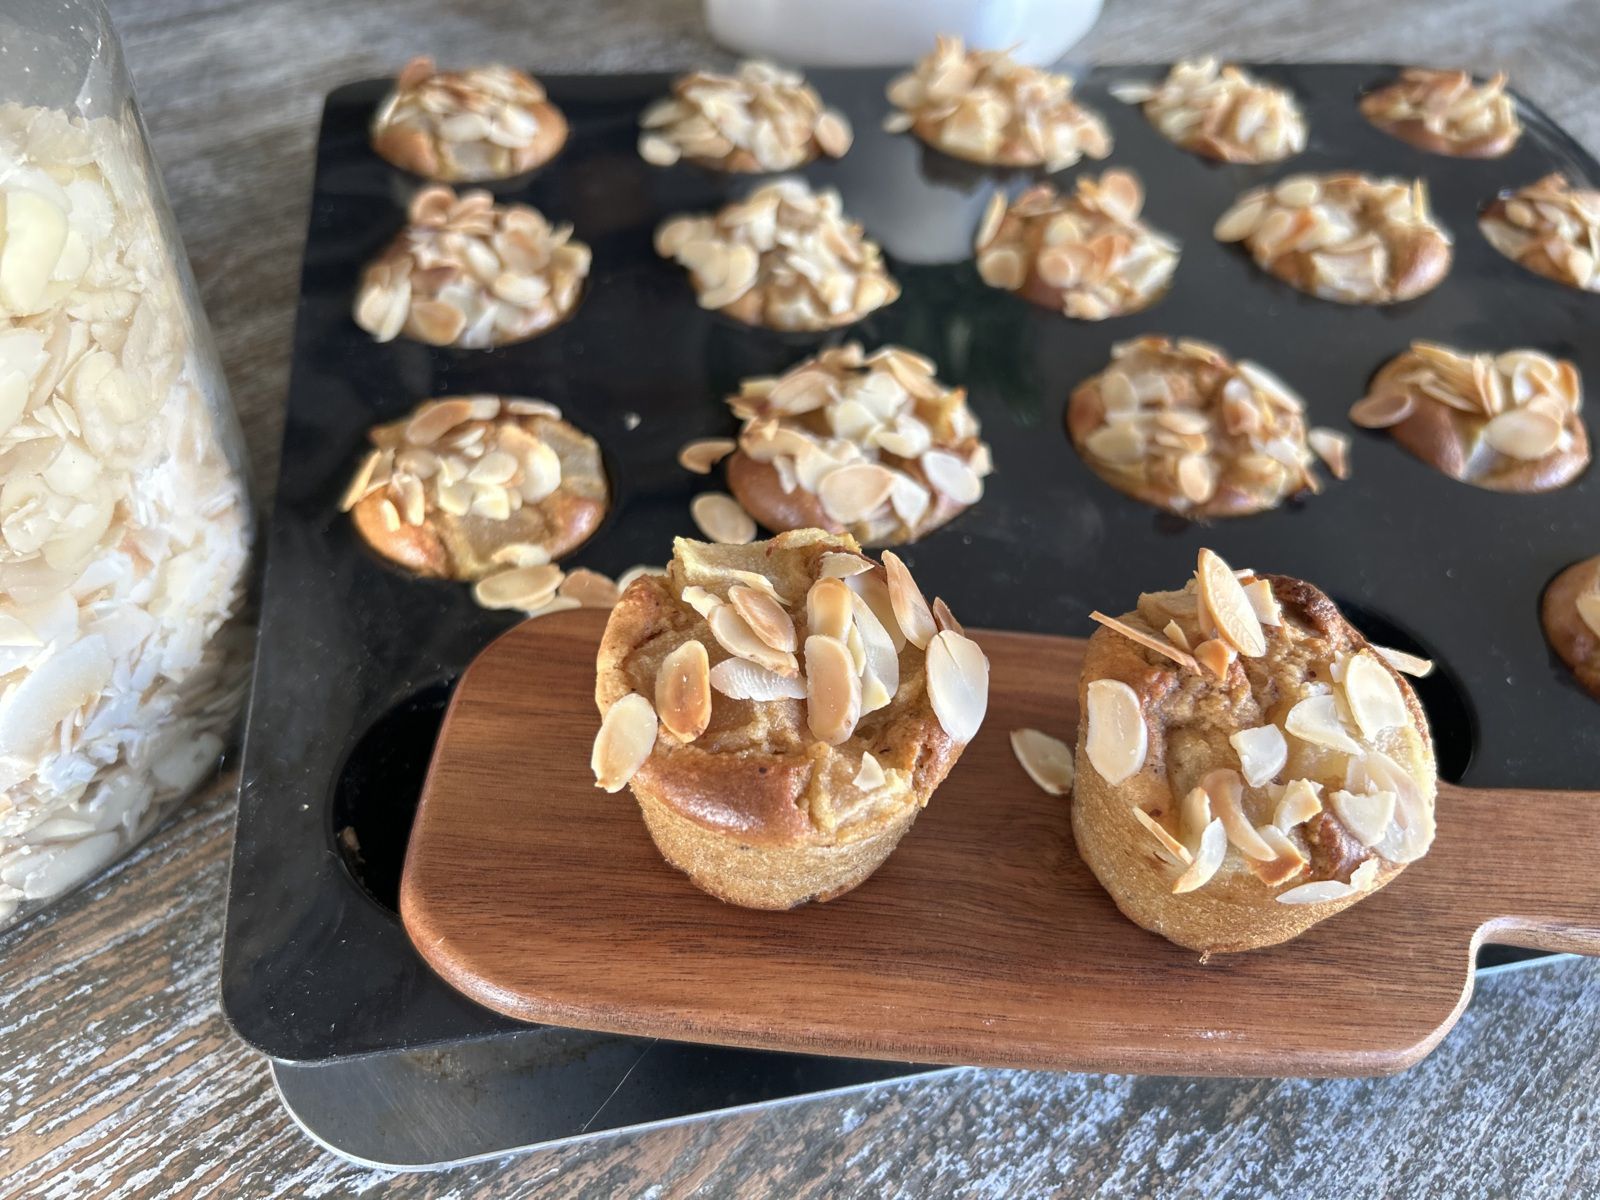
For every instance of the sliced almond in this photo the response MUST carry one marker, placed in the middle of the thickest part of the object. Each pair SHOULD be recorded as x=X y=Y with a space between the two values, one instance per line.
x=435 y=420
x=1227 y=801
x=626 y=737
x=720 y=517
x=1316 y=720
x=1523 y=434
x=1382 y=410
x=520 y=587
x=952 y=476
x=683 y=691
x=1406 y=664
x=853 y=493
x=702 y=600
x=1267 y=609
x=1588 y=605
x=769 y=619
x=1047 y=760
x=1117 y=740
x=830 y=608
x=1333 y=448
x=1194 y=814
x=739 y=679
x=881 y=658
x=1362 y=878
x=1298 y=804
x=944 y=618
x=1175 y=634
x=1366 y=815
x=1216 y=656
x=870 y=776
x=1288 y=860
x=841 y=565
x=735 y=636
x=701 y=455
x=589 y=588
x=1173 y=850
x=1213 y=848
x=911 y=610
x=1229 y=607
x=833 y=690
x=360 y=484
x=1374 y=696
x=1262 y=751
x=1149 y=641
x=958 y=684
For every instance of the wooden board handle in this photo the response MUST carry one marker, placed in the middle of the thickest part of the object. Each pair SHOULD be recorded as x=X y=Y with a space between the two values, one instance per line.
x=1539 y=883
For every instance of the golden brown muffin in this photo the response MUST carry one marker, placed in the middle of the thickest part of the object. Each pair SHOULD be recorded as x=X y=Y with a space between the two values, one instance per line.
x=782 y=712
x=761 y=118
x=468 y=486
x=467 y=126
x=1221 y=112
x=872 y=445
x=983 y=106
x=1248 y=764
x=1445 y=112
x=1507 y=422
x=785 y=257
x=472 y=273
x=1087 y=255
x=1550 y=227
x=1570 y=613
x=1179 y=425
x=1342 y=237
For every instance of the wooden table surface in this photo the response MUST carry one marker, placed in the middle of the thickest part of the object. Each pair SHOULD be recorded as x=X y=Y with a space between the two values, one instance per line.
x=118 y=1075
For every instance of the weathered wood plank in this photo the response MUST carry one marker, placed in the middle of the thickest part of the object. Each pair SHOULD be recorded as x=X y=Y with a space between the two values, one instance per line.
x=118 y=1075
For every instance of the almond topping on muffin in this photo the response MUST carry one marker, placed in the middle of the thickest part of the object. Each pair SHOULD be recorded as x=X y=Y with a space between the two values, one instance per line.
x=1550 y=227
x=1221 y=112
x=1446 y=112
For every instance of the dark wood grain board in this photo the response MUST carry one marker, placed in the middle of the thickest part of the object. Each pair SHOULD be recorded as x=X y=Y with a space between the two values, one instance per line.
x=983 y=940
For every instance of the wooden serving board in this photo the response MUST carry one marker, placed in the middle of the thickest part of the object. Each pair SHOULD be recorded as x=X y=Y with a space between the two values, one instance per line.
x=983 y=940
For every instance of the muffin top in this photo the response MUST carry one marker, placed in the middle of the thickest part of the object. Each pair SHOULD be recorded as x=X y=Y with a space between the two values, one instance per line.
x=784 y=690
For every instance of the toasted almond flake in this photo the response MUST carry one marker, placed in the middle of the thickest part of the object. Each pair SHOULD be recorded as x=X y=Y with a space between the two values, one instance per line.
x=1523 y=433
x=702 y=600
x=1299 y=803
x=1287 y=862
x=720 y=517
x=683 y=691
x=771 y=623
x=1173 y=850
x=1117 y=740
x=1588 y=605
x=1175 y=634
x=1213 y=848
x=735 y=636
x=950 y=475
x=958 y=684
x=739 y=679
x=626 y=737
x=360 y=485
x=833 y=690
x=520 y=554
x=1264 y=603
x=1406 y=664
x=701 y=455
x=1047 y=760
x=870 y=777
x=589 y=588
x=433 y=421
x=1361 y=879
x=1382 y=410
x=1262 y=751
x=1332 y=448
x=554 y=605
x=910 y=607
x=853 y=493
x=944 y=618
x=1216 y=656
x=1194 y=814
x=840 y=564
x=830 y=608
x=1316 y=720
x=520 y=587
x=880 y=654
x=1366 y=815
x=1229 y=607
x=1374 y=696
x=1150 y=642
x=1227 y=801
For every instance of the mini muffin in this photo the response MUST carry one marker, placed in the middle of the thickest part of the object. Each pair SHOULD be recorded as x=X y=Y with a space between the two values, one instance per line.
x=469 y=486
x=1445 y=112
x=1508 y=422
x=782 y=712
x=1550 y=227
x=1570 y=613
x=983 y=106
x=1086 y=255
x=1248 y=764
x=1343 y=237
x=471 y=273
x=1221 y=112
x=786 y=258
x=761 y=118
x=1181 y=426
x=467 y=126
x=872 y=446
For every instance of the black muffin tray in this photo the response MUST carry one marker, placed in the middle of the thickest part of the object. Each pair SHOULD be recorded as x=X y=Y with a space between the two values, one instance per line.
x=356 y=657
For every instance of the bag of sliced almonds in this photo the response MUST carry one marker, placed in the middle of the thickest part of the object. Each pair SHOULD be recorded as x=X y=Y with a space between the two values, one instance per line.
x=125 y=524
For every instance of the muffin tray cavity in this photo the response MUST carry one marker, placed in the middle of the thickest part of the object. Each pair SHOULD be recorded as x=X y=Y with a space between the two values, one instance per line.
x=357 y=657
